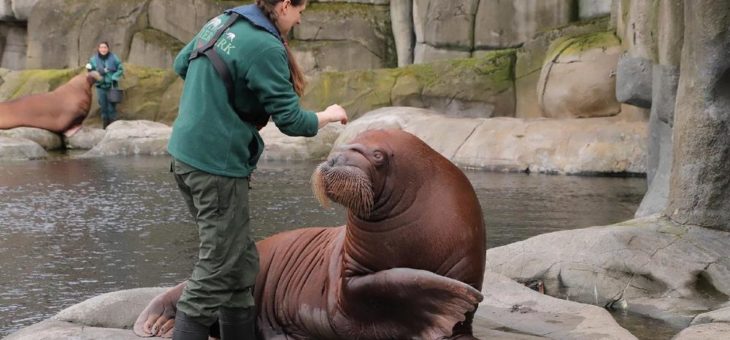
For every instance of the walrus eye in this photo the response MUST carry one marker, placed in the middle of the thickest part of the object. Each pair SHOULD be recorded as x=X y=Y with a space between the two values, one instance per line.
x=378 y=156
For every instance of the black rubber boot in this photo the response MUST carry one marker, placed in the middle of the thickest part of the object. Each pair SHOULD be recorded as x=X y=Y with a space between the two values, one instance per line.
x=237 y=323
x=188 y=329
x=104 y=123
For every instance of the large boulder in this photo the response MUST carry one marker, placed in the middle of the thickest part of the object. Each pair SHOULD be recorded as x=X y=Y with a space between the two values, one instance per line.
x=47 y=139
x=20 y=149
x=511 y=311
x=569 y=146
x=65 y=34
x=281 y=147
x=127 y=138
x=649 y=266
x=578 y=78
x=86 y=138
x=718 y=330
x=531 y=57
x=108 y=316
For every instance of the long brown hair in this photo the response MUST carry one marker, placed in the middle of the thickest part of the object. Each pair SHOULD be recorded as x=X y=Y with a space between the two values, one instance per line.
x=267 y=6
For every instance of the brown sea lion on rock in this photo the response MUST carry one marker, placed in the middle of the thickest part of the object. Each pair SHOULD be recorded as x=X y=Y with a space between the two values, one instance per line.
x=408 y=264
x=61 y=110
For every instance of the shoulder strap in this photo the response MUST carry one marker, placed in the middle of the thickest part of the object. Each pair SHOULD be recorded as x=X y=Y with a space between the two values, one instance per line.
x=218 y=64
x=222 y=69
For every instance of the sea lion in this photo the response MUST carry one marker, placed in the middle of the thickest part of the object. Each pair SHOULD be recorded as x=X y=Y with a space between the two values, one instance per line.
x=408 y=264
x=61 y=110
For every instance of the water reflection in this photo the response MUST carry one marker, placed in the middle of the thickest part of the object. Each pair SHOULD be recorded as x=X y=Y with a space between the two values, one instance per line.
x=73 y=229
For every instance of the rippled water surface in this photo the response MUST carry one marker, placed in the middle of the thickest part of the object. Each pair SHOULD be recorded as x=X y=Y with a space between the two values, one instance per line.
x=71 y=229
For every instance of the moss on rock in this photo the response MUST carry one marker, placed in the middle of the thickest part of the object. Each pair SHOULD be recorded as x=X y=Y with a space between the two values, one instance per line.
x=472 y=79
x=17 y=84
x=580 y=44
x=161 y=39
x=144 y=89
x=344 y=9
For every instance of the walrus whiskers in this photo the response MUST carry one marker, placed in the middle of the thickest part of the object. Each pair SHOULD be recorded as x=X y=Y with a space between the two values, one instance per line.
x=344 y=186
x=318 y=188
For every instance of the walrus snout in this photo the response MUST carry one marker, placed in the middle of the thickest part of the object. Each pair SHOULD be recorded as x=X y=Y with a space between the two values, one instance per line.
x=337 y=180
x=347 y=155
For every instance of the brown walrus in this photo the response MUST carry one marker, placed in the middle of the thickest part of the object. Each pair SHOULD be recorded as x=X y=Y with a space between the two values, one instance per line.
x=61 y=110
x=408 y=264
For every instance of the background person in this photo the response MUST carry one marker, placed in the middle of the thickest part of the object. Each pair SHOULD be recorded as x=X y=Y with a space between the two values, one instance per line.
x=111 y=70
x=215 y=145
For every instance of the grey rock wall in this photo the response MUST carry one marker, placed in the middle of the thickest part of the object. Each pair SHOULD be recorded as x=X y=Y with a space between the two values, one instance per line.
x=700 y=188
x=594 y=8
x=13 y=45
x=336 y=36
x=65 y=34
x=501 y=24
x=664 y=84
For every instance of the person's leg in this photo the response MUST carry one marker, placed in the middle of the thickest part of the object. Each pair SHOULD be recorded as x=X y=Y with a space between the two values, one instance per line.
x=237 y=323
x=103 y=106
x=237 y=315
x=227 y=261
x=187 y=328
x=112 y=112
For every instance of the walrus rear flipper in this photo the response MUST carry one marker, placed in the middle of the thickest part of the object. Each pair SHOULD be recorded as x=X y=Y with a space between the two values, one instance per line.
x=404 y=303
x=158 y=318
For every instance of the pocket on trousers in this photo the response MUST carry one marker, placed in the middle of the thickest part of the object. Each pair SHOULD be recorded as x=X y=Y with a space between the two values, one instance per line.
x=225 y=190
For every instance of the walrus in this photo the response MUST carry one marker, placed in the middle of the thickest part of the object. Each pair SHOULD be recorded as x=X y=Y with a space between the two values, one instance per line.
x=408 y=264
x=61 y=110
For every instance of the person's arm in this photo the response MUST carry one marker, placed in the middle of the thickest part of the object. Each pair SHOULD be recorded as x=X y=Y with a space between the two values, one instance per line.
x=332 y=114
x=91 y=66
x=182 y=60
x=269 y=78
x=120 y=70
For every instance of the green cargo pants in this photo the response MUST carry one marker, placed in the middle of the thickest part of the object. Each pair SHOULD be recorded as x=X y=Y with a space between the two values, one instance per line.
x=225 y=272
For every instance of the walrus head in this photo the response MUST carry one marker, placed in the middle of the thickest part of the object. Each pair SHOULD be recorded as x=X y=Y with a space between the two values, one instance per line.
x=93 y=76
x=356 y=175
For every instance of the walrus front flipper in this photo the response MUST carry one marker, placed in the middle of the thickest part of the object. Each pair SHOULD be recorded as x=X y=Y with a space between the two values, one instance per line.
x=403 y=303
x=158 y=318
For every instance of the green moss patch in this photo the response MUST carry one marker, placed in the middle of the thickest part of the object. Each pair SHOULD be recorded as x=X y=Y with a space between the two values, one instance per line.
x=579 y=44
x=470 y=79
x=23 y=83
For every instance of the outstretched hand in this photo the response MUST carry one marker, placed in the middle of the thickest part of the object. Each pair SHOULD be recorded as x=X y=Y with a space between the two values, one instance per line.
x=333 y=113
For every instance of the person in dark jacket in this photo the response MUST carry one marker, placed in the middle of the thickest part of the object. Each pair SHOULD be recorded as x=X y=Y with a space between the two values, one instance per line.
x=215 y=145
x=110 y=67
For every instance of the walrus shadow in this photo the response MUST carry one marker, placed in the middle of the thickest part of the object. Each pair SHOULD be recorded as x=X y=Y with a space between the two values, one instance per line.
x=61 y=110
x=408 y=264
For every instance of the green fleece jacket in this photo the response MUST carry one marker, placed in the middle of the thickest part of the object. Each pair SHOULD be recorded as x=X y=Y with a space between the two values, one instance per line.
x=110 y=68
x=207 y=133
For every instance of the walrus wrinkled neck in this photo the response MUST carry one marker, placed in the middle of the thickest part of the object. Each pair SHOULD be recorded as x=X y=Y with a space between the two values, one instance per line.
x=370 y=239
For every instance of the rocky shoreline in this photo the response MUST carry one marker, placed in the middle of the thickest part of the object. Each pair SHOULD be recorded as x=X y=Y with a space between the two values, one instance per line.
x=559 y=146
x=647 y=251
